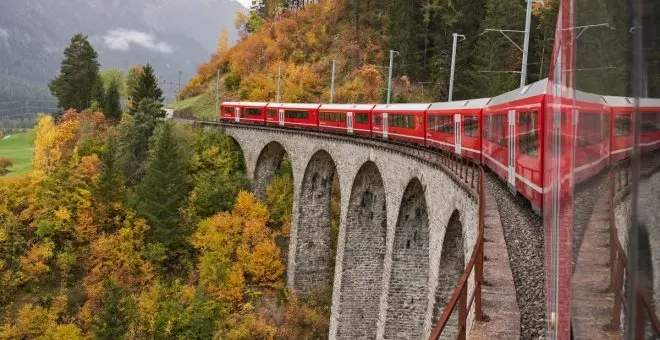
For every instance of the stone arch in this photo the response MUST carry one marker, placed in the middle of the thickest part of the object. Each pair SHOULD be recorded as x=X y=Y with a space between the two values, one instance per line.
x=407 y=295
x=314 y=245
x=364 y=253
x=266 y=168
x=238 y=150
x=452 y=265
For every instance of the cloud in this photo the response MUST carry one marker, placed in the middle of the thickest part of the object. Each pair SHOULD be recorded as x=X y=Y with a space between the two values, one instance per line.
x=121 y=39
x=4 y=34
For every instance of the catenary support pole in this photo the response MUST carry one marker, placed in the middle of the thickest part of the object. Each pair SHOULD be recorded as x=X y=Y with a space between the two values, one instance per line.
x=453 y=64
x=389 y=82
x=528 y=18
x=279 y=78
x=332 y=83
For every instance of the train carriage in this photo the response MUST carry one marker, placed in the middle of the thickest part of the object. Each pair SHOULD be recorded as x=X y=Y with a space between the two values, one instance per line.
x=293 y=115
x=621 y=131
x=400 y=122
x=592 y=135
x=346 y=118
x=244 y=112
x=512 y=142
x=456 y=126
x=649 y=134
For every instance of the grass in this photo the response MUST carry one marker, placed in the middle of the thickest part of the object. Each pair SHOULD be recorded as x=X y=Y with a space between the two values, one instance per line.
x=19 y=149
x=202 y=106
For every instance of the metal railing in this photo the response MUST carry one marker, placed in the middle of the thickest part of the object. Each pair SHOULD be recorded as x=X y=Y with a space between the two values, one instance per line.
x=619 y=186
x=459 y=298
x=467 y=174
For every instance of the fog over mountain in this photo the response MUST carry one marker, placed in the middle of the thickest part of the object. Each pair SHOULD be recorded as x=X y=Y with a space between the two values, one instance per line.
x=172 y=35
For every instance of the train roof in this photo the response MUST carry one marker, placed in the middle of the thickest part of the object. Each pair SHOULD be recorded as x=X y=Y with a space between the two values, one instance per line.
x=294 y=105
x=261 y=104
x=618 y=101
x=589 y=97
x=649 y=102
x=357 y=107
x=461 y=104
x=401 y=107
x=534 y=89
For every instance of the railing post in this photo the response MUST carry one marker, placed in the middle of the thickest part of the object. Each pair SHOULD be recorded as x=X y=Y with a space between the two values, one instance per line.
x=640 y=315
x=462 y=314
x=615 y=324
x=613 y=236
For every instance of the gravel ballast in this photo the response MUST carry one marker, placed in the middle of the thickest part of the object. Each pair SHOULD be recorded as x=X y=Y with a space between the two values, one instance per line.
x=523 y=232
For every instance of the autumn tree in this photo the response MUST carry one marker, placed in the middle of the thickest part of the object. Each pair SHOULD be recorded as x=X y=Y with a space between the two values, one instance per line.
x=132 y=79
x=5 y=164
x=165 y=186
x=78 y=74
x=223 y=41
x=108 y=76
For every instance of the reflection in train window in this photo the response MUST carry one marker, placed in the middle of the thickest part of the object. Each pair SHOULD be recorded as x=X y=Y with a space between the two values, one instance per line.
x=361 y=118
x=228 y=110
x=295 y=114
x=471 y=126
x=271 y=112
x=333 y=117
x=528 y=133
x=622 y=125
x=401 y=120
x=252 y=111
x=496 y=128
x=441 y=123
x=593 y=128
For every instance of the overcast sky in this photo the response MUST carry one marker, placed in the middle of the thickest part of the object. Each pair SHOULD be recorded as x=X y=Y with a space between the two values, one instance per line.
x=245 y=3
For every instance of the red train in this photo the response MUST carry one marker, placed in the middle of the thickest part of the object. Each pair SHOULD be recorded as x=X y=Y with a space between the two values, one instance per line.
x=505 y=133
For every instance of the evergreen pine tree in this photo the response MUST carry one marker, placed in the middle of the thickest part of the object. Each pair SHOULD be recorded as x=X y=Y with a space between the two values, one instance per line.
x=112 y=108
x=165 y=186
x=146 y=88
x=78 y=73
x=115 y=317
x=134 y=139
x=110 y=189
x=98 y=93
x=495 y=52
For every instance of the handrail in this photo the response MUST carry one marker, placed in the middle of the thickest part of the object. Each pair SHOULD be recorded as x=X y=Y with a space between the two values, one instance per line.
x=464 y=171
x=619 y=185
x=459 y=297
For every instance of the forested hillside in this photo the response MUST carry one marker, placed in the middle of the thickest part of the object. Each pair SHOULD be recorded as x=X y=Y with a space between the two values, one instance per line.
x=303 y=39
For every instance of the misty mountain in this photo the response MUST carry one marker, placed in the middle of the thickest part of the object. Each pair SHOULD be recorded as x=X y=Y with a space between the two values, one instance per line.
x=172 y=35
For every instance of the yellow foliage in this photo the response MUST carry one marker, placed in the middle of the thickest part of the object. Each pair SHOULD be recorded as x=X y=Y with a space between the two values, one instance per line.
x=63 y=214
x=35 y=322
x=34 y=262
x=249 y=326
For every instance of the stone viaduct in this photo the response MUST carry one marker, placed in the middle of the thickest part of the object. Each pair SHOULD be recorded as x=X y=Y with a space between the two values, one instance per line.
x=407 y=229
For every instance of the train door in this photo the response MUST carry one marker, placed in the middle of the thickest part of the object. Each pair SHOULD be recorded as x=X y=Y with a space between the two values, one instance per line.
x=457 y=133
x=384 y=124
x=349 y=121
x=512 y=148
x=237 y=114
x=281 y=117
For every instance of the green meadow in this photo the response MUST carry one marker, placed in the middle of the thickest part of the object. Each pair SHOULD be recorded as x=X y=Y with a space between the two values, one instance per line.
x=19 y=149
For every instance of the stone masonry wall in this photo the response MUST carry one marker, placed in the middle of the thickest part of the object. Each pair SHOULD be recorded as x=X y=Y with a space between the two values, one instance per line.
x=313 y=251
x=441 y=194
x=364 y=252
x=452 y=264
x=267 y=165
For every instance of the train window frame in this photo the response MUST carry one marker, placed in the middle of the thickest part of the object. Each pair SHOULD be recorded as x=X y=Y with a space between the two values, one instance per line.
x=528 y=142
x=590 y=128
x=228 y=110
x=471 y=126
x=332 y=116
x=253 y=111
x=296 y=114
x=440 y=123
x=361 y=118
x=649 y=125
x=271 y=112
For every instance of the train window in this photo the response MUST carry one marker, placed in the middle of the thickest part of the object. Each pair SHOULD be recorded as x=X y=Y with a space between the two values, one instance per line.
x=253 y=111
x=650 y=122
x=295 y=114
x=471 y=126
x=271 y=112
x=377 y=119
x=622 y=124
x=333 y=117
x=228 y=110
x=528 y=132
x=591 y=128
x=496 y=128
x=441 y=123
x=402 y=121
x=362 y=118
